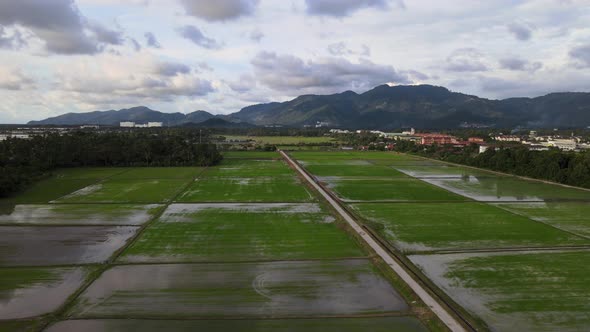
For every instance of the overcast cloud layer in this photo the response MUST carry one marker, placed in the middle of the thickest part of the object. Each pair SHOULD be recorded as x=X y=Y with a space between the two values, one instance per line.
x=63 y=56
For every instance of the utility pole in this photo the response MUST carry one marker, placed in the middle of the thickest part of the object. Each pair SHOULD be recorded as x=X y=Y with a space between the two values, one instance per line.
x=200 y=138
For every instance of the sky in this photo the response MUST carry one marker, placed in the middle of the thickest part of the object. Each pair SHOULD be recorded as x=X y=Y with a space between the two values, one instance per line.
x=60 y=56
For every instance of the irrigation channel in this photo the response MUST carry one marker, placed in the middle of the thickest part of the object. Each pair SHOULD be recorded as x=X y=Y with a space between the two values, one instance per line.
x=448 y=319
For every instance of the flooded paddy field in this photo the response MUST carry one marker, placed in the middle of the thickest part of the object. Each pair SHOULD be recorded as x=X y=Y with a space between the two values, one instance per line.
x=570 y=216
x=30 y=292
x=40 y=246
x=441 y=171
x=353 y=170
x=127 y=191
x=79 y=214
x=505 y=188
x=248 y=168
x=468 y=225
x=241 y=232
x=48 y=190
x=525 y=291
x=352 y=189
x=251 y=155
x=237 y=189
x=361 y=155
x=277 y=289
x=159 y=173
x=97 y=173
x=375 y=324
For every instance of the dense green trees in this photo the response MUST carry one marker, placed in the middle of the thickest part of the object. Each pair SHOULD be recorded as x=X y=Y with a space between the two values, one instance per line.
x=23 y=161
x=565 y=167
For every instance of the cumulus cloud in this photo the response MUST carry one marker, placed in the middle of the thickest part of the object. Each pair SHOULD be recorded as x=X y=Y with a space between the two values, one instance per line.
x=195 y=35
x=14 y=40
x=244 y=84
x=339 y=8
x=518 y=64
x=256 y=35
x=14 y=79
x=290 y=74
x=171 y=69
x=151 y=40
x=466 y=60
x=135 y=44
x=581 y=55
x=340 y=49
x=219 y=10
x=521 y=31
x=59 y=24
x=113 y=79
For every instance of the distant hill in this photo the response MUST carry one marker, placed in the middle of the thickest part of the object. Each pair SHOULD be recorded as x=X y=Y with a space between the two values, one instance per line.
x=384 y=107
x=219 y=123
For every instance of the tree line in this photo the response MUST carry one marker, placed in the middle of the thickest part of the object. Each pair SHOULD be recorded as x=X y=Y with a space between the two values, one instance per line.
x=23 y=161
x=567 y=167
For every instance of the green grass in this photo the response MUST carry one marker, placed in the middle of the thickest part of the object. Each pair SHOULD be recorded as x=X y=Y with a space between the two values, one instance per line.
x=87 y=172
x=30 y=292
x=251 y=154
x=571 y=216
x=504 y=188
x=284 y=140
x=378 y=189
x=374 y=324
x=259 y=189
x=79 y=214
x=159 y=173
x=239 y=232
x=245 y=290
x=431 y=226
x=249 y=168
x=535 y=291
x=127 y=191
x=353 y=170
x=20 y=325
x=49 y=189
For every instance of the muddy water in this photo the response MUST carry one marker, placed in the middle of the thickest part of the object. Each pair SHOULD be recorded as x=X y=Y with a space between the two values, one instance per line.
x=374 y=324
x=79 y=214
x=36 y=291
x=279 y=289
x=37 y=246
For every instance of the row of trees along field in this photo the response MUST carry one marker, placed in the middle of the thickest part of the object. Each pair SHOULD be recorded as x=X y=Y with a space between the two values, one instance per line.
x=23 y=161
x=565 y=167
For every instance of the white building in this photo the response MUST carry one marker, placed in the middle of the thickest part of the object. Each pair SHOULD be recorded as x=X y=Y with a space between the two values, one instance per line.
x=563 y=144
x=127 y=124
x=154 y=124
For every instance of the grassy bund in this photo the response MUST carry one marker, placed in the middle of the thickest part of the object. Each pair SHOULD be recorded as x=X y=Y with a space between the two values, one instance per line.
x=507 y=253
x=243 y=246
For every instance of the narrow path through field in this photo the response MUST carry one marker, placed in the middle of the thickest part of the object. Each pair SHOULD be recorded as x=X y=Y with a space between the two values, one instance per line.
x=436 y=307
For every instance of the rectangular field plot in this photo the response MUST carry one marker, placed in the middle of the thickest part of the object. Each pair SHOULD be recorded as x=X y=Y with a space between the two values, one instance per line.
x=247 y=168
x=278 y=289
x=251 y=154
x=80 y=214
x=241 y=232
x=531 y=291
x=431 y=226
x=570 y=216
x=50 y=189
x=441 y=171
x=127 y=191
x=159 y=173
x=362 y=155
x=395 y=190
x=38 y=246
x=353 y=170
x=88 y=172
x=504 y=188
x=30 y=292
x=258 y=189
x=19 y=325
x=373 y=324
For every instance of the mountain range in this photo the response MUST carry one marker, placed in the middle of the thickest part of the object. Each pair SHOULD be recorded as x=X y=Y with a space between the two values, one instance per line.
x=384 y=107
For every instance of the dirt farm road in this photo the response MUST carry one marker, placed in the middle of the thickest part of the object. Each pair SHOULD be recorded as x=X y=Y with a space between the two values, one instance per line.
x=442 y=314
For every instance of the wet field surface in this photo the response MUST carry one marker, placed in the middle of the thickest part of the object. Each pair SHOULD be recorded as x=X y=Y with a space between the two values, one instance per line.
x=283 y=289
x=384 y=324
x=79 y=214
x=510 y=251
x=30 y=292
x=41 y=246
